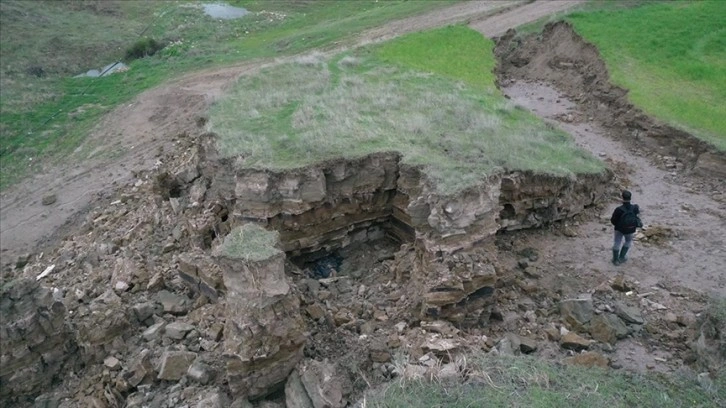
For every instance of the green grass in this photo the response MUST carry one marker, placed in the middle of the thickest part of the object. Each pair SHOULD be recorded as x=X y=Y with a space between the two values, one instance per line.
x=453 y=52
x=537 y=26
x=250 y=242
x=528 y=382
x=406 y=95
x=671 y=56
x=44 y=119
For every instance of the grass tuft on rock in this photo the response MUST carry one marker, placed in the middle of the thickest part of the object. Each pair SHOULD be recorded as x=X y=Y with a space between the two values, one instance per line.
x=249 y=242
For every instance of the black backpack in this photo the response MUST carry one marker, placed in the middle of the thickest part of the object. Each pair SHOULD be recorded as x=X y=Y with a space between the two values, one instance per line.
x=629 y=220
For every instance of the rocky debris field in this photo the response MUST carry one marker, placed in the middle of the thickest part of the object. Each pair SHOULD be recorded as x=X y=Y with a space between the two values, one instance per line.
x=134 y=309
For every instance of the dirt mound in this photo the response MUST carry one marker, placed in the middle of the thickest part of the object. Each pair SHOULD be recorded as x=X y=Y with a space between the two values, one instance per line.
x=560 y=57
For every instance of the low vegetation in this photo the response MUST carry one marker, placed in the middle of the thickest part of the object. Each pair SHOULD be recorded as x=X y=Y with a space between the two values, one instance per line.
x=527 y=382
x=671 y=56
x=430 y=96
x=142 y=48
x=46 y=113
x=249 y=242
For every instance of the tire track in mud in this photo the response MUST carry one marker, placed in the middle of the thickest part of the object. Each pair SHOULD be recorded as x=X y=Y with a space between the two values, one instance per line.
x=132 y=136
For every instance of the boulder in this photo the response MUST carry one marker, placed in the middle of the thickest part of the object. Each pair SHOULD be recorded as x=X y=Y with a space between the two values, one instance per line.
x=174 y=364
x=112 y=363
x=629 y=314
x=48 y=199
x=141 y=369
x=201 y=274
x=315 y=311
x=154 y=331
x=527 y=345
x=177 y=330
x=322 y=384
x=199 y=372
x=572 y=341
x=458 y=288
x=35 y=342
x=607 y=328
x=295 y=394
x=173 y=303
x=143 y=311
x=577 y=312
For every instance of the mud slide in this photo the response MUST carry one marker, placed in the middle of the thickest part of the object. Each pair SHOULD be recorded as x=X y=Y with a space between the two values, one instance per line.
x=133 y=137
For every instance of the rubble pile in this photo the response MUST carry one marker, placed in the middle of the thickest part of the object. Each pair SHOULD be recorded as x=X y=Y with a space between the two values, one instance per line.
x=171 y=292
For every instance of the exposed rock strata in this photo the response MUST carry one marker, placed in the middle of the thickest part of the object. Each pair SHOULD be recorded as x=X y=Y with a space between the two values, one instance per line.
x=34 y=340
x=322 y=208
x=264 y=333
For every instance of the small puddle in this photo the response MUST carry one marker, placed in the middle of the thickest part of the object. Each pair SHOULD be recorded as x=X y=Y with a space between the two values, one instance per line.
x=224 y=11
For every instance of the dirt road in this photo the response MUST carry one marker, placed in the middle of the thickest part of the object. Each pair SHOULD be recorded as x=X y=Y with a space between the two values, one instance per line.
x=130 y=137
x=690 y=250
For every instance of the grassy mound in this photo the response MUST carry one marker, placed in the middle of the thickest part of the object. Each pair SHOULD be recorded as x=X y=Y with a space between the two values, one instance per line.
x=528 y=382
x=672 y=58
x=45 y=113
x=430 y=96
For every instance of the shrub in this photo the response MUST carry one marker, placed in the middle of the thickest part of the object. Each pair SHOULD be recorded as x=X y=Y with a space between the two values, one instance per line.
x=143 y=48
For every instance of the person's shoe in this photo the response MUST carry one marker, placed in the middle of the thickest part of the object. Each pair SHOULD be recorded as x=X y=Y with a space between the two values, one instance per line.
x=622 y=258
x=616 y=257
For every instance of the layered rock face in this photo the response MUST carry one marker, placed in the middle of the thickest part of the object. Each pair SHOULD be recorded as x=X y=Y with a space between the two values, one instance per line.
x=264 y=333
x=319 y=209
x=530 y=200
x=34 y=340
x=325 y=207
x=315 y=209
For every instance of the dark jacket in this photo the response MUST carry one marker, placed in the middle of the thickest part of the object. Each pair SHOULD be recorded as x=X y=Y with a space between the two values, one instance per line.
x=618 y=213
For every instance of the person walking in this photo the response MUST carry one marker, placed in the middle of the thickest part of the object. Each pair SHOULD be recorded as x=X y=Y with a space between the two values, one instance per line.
x=626 y=221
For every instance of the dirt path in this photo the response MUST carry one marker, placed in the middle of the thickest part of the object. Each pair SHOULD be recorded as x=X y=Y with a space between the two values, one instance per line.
x=694 y=257
x=132 y=136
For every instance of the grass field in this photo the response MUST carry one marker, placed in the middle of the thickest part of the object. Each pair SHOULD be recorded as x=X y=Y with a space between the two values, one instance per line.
x=671 y=56
x=429 y=95
x=528 y=382
x=45 y=113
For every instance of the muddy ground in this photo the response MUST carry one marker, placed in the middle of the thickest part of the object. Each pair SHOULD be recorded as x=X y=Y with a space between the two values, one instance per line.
x=121 y=225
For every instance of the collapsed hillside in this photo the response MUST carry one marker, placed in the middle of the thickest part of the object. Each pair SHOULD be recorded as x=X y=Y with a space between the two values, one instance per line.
x=368 y=269
x=152 y=248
